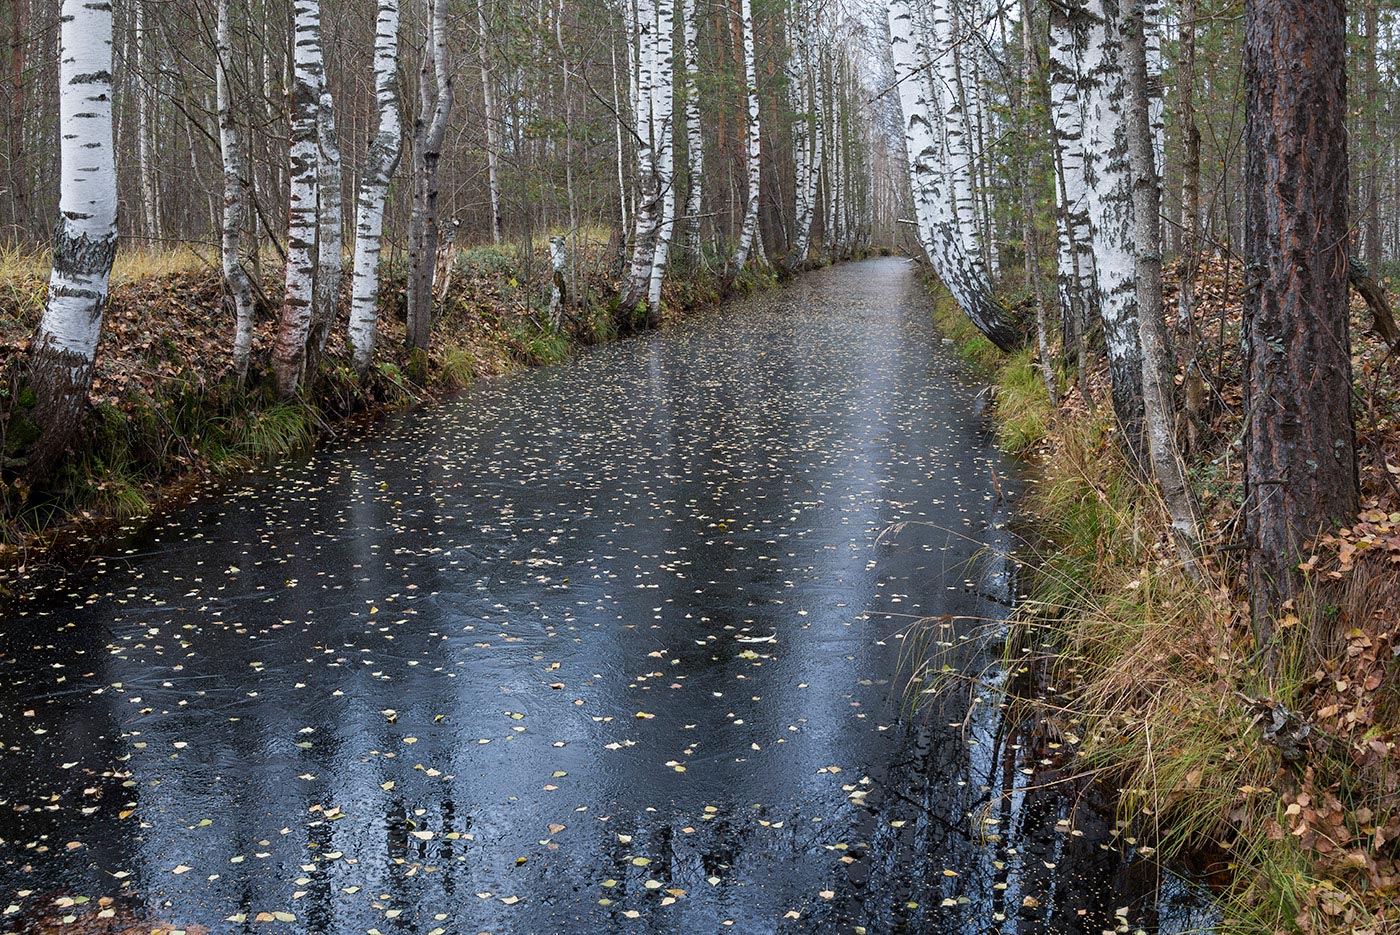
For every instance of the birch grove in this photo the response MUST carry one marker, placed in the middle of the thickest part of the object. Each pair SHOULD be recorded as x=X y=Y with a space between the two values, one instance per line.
x=938 y=158
x=1156 y=243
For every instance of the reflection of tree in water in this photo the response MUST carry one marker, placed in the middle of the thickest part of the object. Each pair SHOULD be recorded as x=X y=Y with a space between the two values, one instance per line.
x=983 y=827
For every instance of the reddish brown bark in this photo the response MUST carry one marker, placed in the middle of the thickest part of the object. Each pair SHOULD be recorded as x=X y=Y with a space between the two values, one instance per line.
x=18 y=183
x=1300 y=462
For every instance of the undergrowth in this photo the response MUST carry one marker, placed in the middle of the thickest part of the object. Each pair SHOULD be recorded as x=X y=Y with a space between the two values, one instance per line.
x=1158 y=685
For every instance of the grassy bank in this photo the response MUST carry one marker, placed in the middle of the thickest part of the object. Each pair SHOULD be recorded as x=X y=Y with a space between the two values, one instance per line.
x=167 y=411
x=1281 y=786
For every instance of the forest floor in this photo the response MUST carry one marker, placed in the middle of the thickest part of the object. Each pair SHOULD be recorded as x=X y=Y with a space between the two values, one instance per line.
x=1279 y=787
x=168 y=413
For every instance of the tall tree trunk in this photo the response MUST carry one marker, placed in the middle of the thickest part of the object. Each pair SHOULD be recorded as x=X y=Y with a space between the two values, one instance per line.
x=1373 y=139
x=18 y=163
x=488 y=99
x=235 y=198
x=1158 y=406
x=947 y=96
x=1300 y=452
x=294 y=326
x=383 y=158
x=1067 y=39
x=85 y=237
x=569 y=189
x=1110 y=201
x=330 y=241
x=799 y=39
x=435 y=106
x=1195 y=384
x=646 y=215
x=146 y=88
x=749 y=230
x=694 y=138
x=622 y=212
x=1022 y=97
x=665 y=153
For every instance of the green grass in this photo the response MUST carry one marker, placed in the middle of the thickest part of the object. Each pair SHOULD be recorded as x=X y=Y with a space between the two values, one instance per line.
x=1024 y=416
x=263 y=435
x=537 y=346
x=455 y=367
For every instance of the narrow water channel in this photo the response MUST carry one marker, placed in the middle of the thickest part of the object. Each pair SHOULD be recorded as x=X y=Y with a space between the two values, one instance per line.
x=613 y=646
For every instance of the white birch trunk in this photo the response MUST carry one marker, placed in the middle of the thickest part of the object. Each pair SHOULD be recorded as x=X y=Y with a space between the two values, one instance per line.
x=1074 y=246
x=695 y=140
x=946 y=93
x=622 y=212
x=289 y=354
x=559 y=264
x=235 y=198
x=749 y=230
x=799 y=102
x=383 y=158
x=85 y=238
x=664 y=98
x=1110 y=209
x=817 y=165
x=330 y=224
x=648 y=191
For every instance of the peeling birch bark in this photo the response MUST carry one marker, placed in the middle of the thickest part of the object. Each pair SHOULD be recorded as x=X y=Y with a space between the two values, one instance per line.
x=235 y=199
x=294 y=325
x=383 y=159
x=749 y=231
x=85 y=237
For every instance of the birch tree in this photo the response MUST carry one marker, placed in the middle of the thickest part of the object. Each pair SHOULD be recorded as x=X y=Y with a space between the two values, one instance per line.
x=1068 y=38
x=85 y=237
x=1195 y=389
x=435 y=106
x=330 y=224
x=294 y=325
x=383 y=158
x=1096 y=31
x=694 y=137
x=749 y=231
x=146 y=85
x=807 y=163
x=1159 y=408
x=235 y=198
x=646 y=215
x=663 y=111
